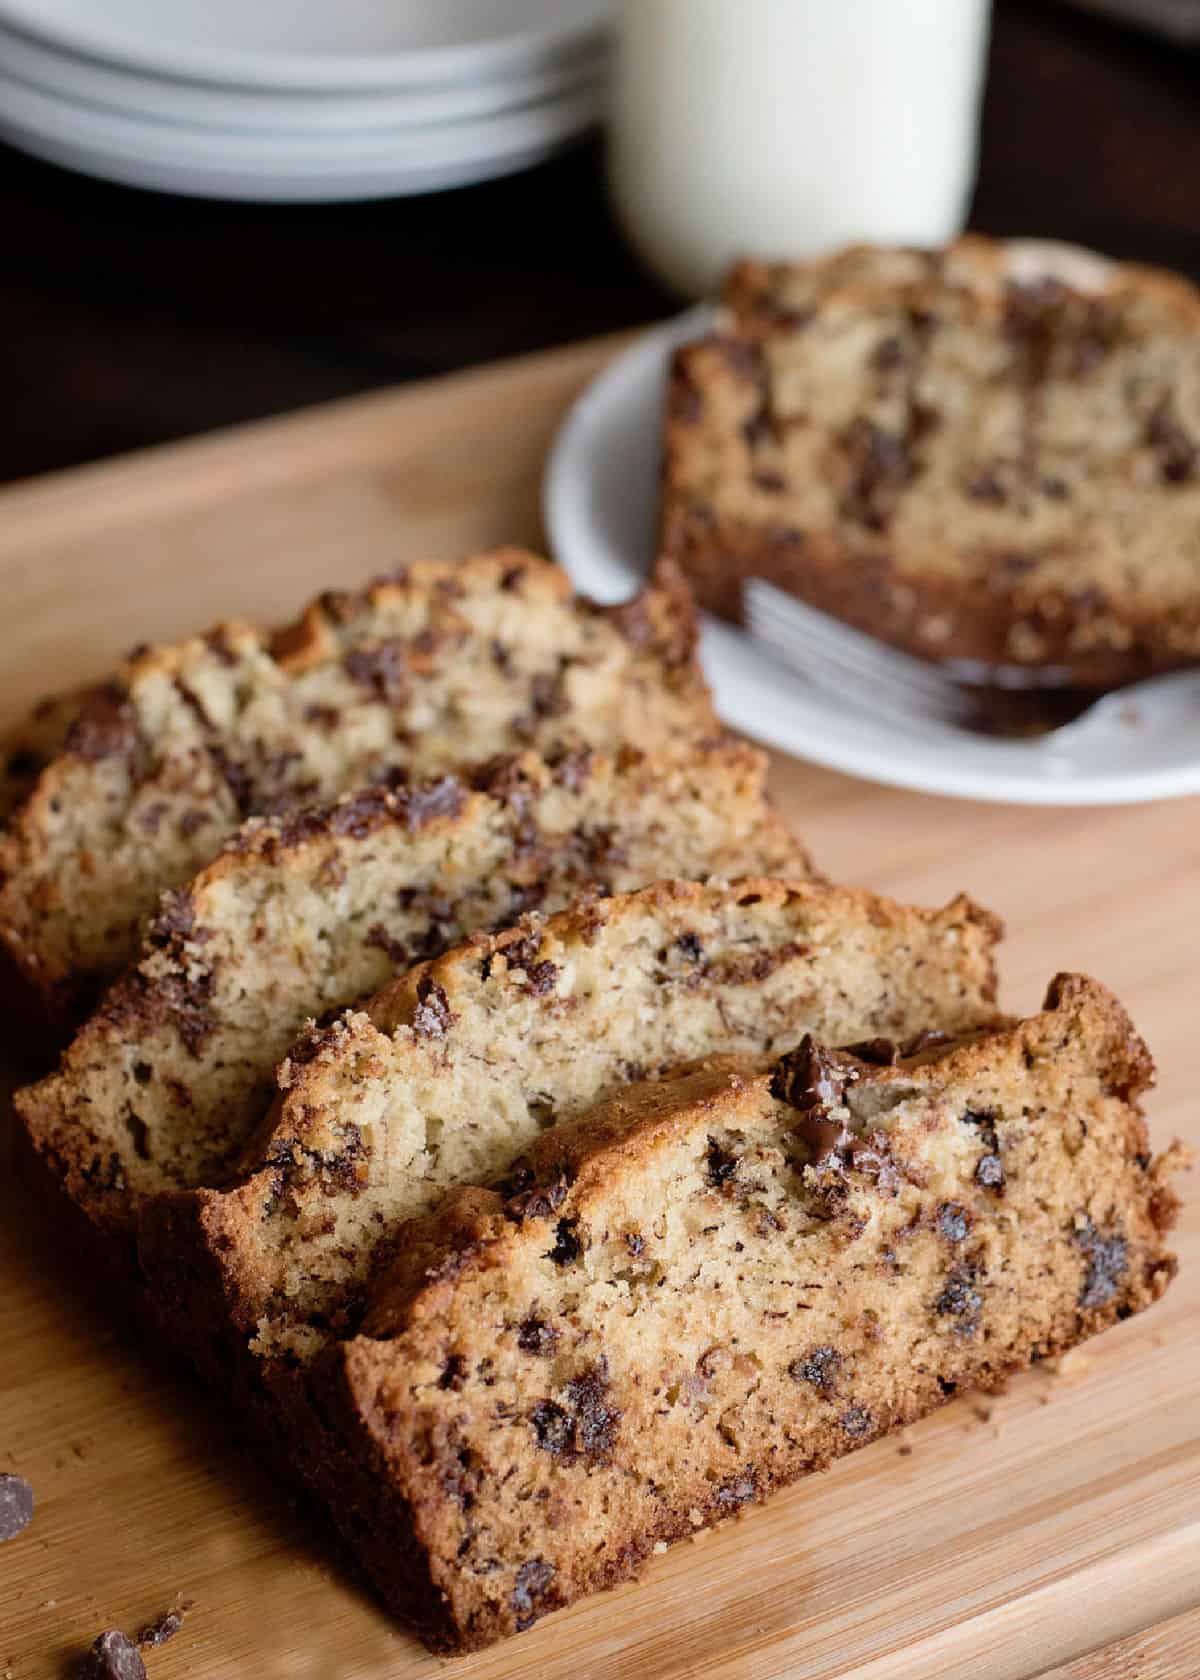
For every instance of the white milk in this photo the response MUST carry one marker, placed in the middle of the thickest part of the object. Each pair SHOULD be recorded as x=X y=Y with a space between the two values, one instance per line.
x=787 y=127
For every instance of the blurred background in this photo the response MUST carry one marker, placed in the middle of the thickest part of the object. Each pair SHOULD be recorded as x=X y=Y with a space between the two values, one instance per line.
x=133 y=317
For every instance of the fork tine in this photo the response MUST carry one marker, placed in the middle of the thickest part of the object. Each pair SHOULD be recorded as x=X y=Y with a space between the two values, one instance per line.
x=851 y=647
x=843 y=660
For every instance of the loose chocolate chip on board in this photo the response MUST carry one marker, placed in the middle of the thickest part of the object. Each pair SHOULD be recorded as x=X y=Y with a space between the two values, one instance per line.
x=164 y=1627
x=112 y=1657
x=16 y=1505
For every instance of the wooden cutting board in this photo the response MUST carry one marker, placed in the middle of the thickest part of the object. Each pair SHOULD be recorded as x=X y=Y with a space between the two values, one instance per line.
x=1054 y=1529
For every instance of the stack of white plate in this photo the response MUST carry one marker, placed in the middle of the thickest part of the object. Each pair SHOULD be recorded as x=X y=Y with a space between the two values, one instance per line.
x=300 y=99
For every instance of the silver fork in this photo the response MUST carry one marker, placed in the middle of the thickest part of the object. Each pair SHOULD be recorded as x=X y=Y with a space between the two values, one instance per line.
x=869 y=675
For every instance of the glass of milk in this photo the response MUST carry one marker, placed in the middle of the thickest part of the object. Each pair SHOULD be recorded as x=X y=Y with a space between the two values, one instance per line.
x=783 y=128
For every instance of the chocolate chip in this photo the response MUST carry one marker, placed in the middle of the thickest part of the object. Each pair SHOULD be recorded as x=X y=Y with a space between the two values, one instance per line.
x=596 y=1420
x=1176 y=449
x=990 y=1172
x=105 y=725
x=552 y=1427
x=1107 y=1262
x=359 y=813
x=379 y=937
x=986 y=487
x=818 y=1367
x=536 y=1201
x=961 y=1300
x=739 y=1491
x=567 y=1246
x=888 y=354
x=16 y=1505
x=112 y=1657
x=454 y=1373
x=532 y=1580
x=432 y=1017
x=984 y=1122
x=534 y=1335
x=881 y=464
x=722 y=1164
x=814 y=1081
x=382 y=669
x=880 y=1052
x=426 y=803
x=163 y=1627
x=690 y=946
x=857 y=1421
x=540 y=978
x=931 y=1039
x=953 y=1222
x=548 y=695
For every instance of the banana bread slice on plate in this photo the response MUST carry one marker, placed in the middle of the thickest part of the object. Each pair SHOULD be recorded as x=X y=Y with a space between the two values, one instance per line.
x=441 y=665
x=306 y=913
x=460 y=1064
x=988 y=455
x=707 y=1288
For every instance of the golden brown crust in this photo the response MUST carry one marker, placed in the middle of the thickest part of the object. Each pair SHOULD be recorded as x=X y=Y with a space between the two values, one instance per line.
x=951 y=1247
x=1048 y=531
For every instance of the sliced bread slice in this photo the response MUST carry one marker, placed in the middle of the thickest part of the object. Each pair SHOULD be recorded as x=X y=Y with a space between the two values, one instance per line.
x=707 y=1288
x=134 y=787
x=460 y=1064
x=963 y=460
x=307 y=913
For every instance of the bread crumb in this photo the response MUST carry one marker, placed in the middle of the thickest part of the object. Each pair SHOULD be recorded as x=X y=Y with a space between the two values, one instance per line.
x=696 y=1517
x=660 y=1546
x=1069 y=1366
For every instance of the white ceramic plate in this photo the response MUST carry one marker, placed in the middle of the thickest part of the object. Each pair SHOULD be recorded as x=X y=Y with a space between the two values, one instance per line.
x=600 y=506
x=337 y=45
x=138 y=93
x=180 y=158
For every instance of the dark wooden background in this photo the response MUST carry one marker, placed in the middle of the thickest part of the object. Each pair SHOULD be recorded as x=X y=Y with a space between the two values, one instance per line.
x=129 y=318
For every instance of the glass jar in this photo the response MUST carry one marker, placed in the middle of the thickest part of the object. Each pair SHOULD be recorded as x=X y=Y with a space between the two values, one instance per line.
x=783 y=128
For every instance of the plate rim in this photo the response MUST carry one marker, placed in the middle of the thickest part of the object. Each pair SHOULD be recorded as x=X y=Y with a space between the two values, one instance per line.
x=63 y=120
x=490 y=58
x=137 y=93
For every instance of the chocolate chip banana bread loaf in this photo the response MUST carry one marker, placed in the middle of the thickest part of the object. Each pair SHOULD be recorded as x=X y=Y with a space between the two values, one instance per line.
x=459 y=1065
x=302 y=914
x=964 y=460
x=135 y=787
x=706 y=1288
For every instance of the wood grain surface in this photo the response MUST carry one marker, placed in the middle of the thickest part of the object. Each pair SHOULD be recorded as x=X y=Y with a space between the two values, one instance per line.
x=1002 y=1539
